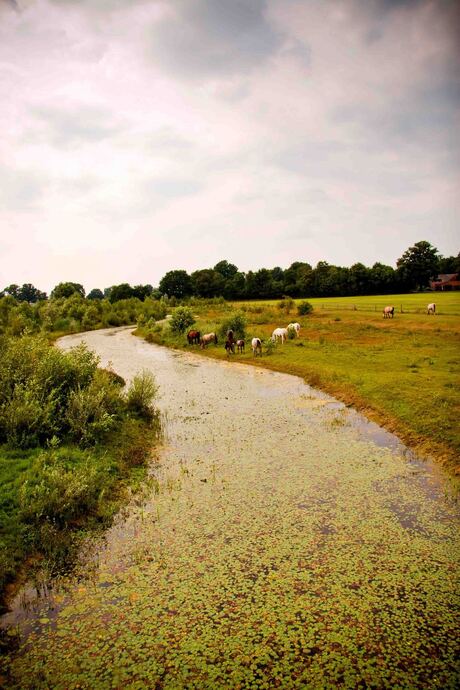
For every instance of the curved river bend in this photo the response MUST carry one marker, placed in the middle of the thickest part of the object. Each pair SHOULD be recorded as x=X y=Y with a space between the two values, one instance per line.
x=289 y=543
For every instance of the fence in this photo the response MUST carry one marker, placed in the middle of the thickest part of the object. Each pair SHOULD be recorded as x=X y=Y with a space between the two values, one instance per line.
x=369 y=307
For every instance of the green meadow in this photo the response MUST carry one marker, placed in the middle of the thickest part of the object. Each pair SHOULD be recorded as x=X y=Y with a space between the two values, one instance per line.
x=401 y=372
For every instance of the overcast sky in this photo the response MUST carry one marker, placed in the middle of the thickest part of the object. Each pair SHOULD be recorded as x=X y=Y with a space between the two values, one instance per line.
x=140 y=136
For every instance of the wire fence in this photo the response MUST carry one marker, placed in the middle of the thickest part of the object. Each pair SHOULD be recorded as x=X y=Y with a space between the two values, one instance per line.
x=372 y=307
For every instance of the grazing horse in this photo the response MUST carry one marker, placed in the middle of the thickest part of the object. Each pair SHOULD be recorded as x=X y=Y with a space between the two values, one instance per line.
x=230 y=346
x=431 y=309
x=230 y=335
x=296 y=327
x=193 y=337
x=388 y=311
x=281 y=333
x=208 y=338
x=240 y=346
x=256 y=345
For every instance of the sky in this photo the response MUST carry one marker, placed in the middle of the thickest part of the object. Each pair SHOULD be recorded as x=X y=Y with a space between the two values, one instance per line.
x=142 y=136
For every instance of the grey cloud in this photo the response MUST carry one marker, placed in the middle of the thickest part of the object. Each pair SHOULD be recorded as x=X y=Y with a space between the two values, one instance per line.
x=171 y=188
x=206 y=38
x=11 y=3
x=67 y=128
x=20 y=190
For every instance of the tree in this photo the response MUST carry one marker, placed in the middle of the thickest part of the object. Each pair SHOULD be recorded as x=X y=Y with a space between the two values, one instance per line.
x=12 y=290
x=418 y=264
x=226 y=270
x=207 y=283
x=96 y=294
x=119 y=292
x=142 y=291
x=176 y=284
x=29 y=293
x=449 y=264
x=67 y=289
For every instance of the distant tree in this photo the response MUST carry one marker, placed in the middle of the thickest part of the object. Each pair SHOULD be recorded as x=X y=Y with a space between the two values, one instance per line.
x=95 y=294
x=235 y=287
x=142 y=291
x=382 y=279
x=418 y=264
x=176 y=284
x=226 y=270
x=359 y=279
x=207 y=283
x=449 y=264
x=12 y=290
x=29 y=293
x=119 y=292
x=67 y=289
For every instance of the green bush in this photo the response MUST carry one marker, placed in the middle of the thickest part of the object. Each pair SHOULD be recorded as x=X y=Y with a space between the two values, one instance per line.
x=236 y=322
x=304 y=308
x=58 y=492
x=181 y=319
x=141 y=394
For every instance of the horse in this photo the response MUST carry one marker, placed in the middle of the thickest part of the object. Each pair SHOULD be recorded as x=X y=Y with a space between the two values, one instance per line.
x=193 y=337
x=240 y=346
x=296 y=327
x=208 y=338
x=388 y=311
x=281 y=333
x=230 y=346
x=256 y=345
x=230 y=335
x=431 y=309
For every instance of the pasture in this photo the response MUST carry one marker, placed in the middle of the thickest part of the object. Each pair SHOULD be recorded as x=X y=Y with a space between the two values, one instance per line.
x=401 y=372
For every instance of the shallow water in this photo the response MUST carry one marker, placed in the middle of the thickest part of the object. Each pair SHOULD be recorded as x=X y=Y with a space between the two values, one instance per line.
x=288 y=542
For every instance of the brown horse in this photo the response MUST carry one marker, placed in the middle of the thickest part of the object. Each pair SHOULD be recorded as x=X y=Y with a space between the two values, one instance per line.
x=208 y=338
x=230 y=346
x=193 y=337
x=240 y=346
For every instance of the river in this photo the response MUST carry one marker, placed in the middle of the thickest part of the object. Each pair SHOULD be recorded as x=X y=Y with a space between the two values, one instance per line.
x=287 y=542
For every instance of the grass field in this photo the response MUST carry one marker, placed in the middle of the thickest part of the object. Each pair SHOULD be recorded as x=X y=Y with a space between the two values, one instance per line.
x=401 y=372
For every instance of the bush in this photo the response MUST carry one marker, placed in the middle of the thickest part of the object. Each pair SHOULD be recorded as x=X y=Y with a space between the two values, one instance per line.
x=56 y=492
x=141 y=394
x=304 y=308
x=236 y=323
x=286 y=304
x=181 y=319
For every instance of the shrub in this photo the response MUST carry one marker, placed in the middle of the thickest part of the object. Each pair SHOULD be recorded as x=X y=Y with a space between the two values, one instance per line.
x=56 y=492
x=181 y=319
x=291 y=333
x=286 y=304
x=304 y=308
x=236 y=323
x=269 y=346
x=141 y=393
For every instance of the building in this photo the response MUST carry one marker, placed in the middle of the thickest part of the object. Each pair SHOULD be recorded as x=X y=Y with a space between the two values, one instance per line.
x=446 y=281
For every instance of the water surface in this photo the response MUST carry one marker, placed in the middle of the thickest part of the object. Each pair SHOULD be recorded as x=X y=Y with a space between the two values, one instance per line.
x=287 y=543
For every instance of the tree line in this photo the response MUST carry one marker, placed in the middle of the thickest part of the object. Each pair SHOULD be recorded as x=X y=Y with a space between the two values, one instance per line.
x=413 y=271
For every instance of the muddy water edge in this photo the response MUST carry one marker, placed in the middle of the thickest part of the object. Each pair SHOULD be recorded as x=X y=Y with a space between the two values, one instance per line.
x=286 y=543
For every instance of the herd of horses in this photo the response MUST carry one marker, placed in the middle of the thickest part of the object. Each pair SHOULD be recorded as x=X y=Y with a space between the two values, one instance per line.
x=278 y=335
x=389 y=312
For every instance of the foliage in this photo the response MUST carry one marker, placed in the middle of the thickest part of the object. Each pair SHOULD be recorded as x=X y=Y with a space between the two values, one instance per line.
x=304 y=308
x=67 y=289
x=235 y=322
x=418 y=264
x=141 y=394
x=181 y=319
x=95 y=294
x=176 y=284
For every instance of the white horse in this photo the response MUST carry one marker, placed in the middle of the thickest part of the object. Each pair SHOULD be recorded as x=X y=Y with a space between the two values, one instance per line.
x=296 y=327
x=388 y=311
x=281 y=333
x=256 y=345
x=208 y=338
x=431 y=309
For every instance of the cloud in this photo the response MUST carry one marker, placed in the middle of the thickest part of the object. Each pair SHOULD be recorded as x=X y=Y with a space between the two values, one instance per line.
x=71 y=127
x=200 y=39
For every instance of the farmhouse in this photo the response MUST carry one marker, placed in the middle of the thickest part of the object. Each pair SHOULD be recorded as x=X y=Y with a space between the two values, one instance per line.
x=446 y=281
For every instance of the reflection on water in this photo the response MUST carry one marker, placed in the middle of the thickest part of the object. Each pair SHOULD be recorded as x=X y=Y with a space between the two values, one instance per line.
x=279 y=527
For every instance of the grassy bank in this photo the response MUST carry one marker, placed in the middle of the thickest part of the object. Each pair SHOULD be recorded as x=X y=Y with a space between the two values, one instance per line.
x=73 y=444
x=401 y=372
